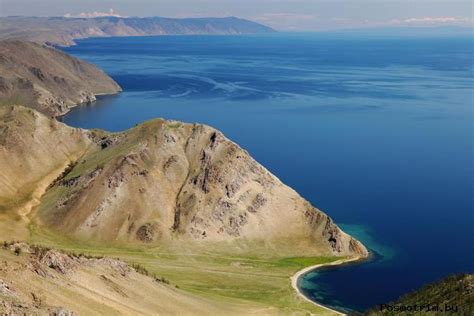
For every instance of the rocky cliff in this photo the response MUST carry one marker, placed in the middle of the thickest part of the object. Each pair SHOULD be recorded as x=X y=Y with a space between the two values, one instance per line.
x=63 y=31
x=162 y=182
x=47 y=79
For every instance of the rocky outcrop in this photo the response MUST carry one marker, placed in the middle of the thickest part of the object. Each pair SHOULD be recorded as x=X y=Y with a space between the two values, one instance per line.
x=47 y=79
x=43 y=281
x=63 y=31
x=158 y=183
x=164 y=181
x=57 y=261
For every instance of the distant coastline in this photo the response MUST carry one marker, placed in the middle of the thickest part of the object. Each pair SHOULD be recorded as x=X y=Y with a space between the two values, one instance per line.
x=62 y=31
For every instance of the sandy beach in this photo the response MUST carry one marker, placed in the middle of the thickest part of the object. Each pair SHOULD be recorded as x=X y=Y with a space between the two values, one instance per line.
x=297 y=275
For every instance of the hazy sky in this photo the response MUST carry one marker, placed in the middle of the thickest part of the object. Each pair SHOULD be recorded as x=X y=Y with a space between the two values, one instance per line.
x=300 y=15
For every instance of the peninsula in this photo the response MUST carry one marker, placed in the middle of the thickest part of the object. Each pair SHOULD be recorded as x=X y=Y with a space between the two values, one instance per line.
x=48 y=80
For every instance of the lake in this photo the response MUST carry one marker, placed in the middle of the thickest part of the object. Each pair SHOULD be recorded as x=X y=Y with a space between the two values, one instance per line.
x=378 y=133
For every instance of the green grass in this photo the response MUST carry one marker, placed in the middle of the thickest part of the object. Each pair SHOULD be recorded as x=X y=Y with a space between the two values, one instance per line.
x=454 y=291
x=97 y=157
x=302 y=262
x=222 y=273
x=219 y=275
x=174 y=125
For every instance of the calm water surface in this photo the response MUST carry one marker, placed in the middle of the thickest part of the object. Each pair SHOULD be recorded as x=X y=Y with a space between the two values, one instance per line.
x=376 y=132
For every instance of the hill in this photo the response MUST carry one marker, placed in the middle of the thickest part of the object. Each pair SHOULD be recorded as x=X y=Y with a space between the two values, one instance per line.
x=179 y=199
x=160 y=182
x=47 y=79
x=41 y=281
x=63 y=31
x=452 y=295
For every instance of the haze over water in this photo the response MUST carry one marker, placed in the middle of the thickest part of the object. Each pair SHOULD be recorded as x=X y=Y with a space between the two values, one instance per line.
x=376 y=132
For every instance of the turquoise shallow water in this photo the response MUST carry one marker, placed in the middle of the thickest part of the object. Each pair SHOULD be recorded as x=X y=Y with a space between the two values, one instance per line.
x=376 y=132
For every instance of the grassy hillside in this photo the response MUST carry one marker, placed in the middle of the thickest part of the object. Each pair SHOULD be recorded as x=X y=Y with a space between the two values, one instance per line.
x=170 y=183
x=34 y=150
x=126 y=195
x=257 y=282
x=39 y=281
x=453 y=295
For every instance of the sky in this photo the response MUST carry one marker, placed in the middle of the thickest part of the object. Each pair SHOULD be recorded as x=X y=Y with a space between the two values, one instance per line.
x=289 y=15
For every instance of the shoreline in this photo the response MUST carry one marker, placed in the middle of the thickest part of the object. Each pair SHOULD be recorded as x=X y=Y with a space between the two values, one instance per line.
x=297 y=275
x=59 y=117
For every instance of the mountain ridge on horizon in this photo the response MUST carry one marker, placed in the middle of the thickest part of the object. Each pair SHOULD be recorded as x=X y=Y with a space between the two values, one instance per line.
x=63 y=31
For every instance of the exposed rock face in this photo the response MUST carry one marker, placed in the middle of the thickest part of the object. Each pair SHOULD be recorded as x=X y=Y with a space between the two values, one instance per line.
x=166 y=181
x=57 y=261
x=48 y=80
x=63 y=31
x=5 y=289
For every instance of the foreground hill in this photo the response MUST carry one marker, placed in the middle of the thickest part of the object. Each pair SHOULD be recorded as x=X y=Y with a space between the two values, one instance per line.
x=63 y=31
x=453 y=295
x=41 y=281
x=161 y=182
x=47 y=79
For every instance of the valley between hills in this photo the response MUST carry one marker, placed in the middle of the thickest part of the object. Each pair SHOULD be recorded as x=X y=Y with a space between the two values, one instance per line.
x=196 y=224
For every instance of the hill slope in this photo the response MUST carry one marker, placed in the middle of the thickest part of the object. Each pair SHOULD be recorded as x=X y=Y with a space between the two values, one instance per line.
x=40 y=281
x=166 y=182
x=34 y=149
x=47 y=79
x=452 y=295
x=63 y=31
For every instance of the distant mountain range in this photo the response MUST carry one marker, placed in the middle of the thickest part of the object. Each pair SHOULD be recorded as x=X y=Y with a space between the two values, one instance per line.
x=63 y=31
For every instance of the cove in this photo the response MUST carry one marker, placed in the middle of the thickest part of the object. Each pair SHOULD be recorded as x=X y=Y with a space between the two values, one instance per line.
x=375 y=132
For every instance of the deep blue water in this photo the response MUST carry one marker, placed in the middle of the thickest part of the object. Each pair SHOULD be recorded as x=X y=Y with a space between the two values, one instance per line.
x=377 y=133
